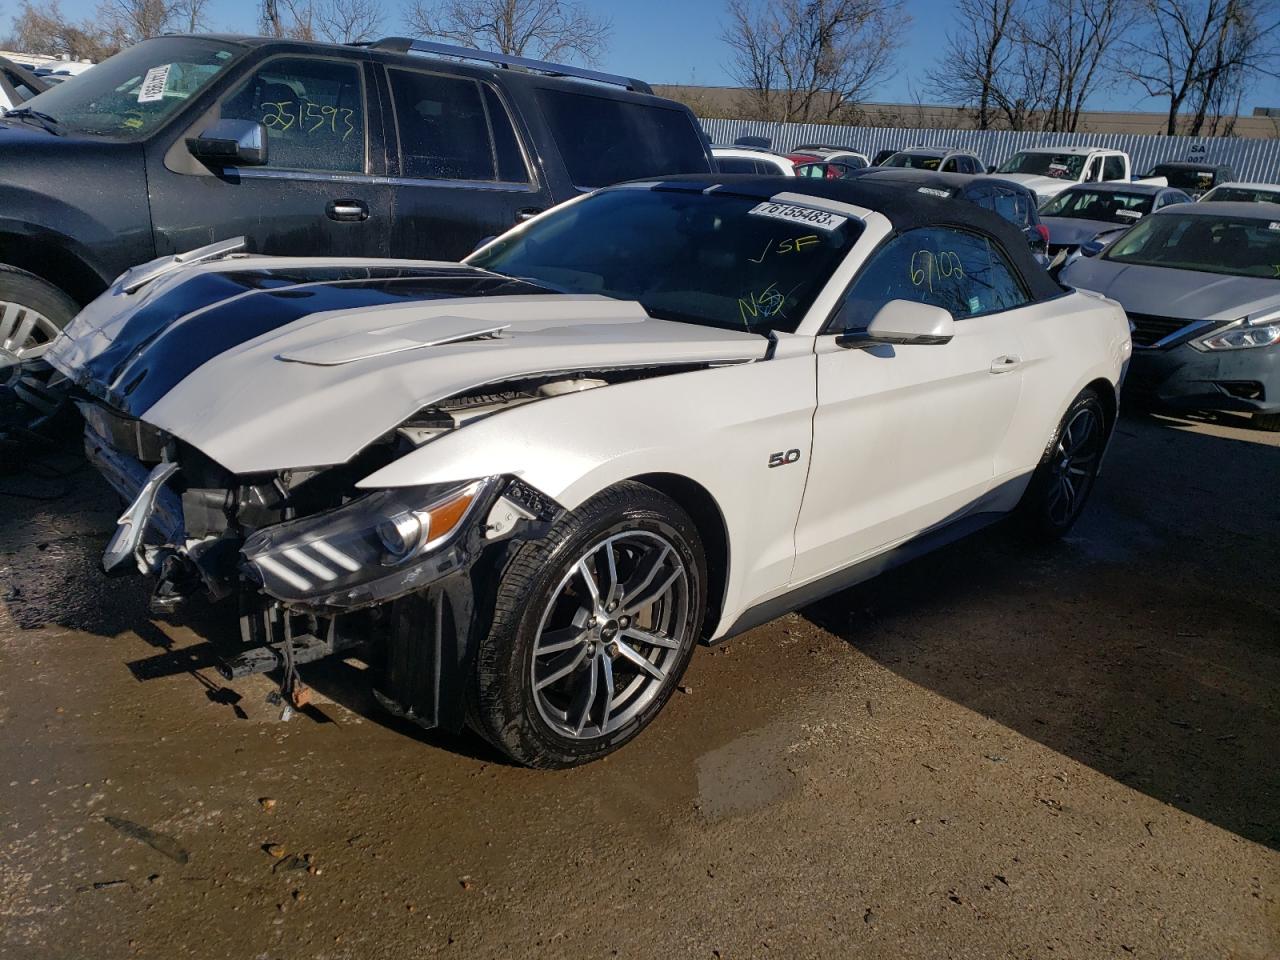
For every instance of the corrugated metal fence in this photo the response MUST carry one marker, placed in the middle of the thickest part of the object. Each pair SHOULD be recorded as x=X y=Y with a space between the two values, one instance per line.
x=1248 y=159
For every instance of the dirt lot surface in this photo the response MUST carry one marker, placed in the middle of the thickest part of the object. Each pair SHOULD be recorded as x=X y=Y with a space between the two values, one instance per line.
x=1068 y=752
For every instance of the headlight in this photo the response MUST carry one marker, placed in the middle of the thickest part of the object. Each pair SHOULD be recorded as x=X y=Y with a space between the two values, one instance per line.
x=387 y=536
x=1240 y=336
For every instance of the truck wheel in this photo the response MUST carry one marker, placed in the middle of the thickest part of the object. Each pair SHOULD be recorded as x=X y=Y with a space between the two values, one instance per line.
x=593 y=628
x=32 y=314
x=1064 y=477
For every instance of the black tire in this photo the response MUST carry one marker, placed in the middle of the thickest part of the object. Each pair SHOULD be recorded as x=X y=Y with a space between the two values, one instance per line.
x=504 y=706
x=29 y=388
x=1041 y=511
x=1270 y=422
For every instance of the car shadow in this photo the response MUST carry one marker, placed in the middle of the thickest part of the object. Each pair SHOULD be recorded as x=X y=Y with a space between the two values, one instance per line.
x=1143 y=646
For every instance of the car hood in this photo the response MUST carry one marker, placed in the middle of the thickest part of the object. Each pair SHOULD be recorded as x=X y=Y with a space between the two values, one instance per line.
x=270 y=363
x=1184 y=294
x=1042 y=186
x=1071 y=232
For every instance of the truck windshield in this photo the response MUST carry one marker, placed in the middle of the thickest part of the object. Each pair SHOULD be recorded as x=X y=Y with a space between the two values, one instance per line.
x=717 y=260
x=130 y=94
x=1061 y=166
x=1237 y=246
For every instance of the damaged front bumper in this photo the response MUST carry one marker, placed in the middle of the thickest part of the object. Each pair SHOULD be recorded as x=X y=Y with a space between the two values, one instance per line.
x=406 y=571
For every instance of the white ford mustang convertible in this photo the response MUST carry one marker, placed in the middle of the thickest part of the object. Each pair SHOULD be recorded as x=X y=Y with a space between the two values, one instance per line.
x=530 y=483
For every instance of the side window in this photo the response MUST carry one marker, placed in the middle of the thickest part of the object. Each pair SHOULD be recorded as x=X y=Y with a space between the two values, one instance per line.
x=605 y=140
x=1113 y=168
x=736 y=165
x=313 y=111
x=949 y=166
x=452 y=128
x=959 y=271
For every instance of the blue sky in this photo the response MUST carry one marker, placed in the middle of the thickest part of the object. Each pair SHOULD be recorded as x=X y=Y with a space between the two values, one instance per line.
x=678 y=41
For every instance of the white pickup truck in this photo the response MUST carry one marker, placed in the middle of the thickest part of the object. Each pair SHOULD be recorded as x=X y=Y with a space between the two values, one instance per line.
x=1050 y=170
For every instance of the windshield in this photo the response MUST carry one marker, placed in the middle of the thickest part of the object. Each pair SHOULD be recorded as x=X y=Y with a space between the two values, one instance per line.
x=133 y=92
x=1243 y=195
x=712 y=259
x=914 y=161
x=1061 y=166
x=1109 y=205
x=1237 y=246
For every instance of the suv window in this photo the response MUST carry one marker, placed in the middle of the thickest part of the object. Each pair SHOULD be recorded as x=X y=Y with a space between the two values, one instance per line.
x=453 y=128
x=1113 y=168
x=959 y=271
x=737 y=165
x=606 y=141
x=313 y=111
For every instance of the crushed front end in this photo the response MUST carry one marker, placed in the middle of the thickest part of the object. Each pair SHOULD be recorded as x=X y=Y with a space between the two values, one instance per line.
x=314 y=565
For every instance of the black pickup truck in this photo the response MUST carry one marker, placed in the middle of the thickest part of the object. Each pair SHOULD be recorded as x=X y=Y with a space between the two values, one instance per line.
x=399 y=148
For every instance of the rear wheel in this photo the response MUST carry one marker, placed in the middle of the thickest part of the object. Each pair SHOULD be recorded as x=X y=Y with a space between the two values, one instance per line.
x=1065 y=475
x=32 y=314
x=593 y=628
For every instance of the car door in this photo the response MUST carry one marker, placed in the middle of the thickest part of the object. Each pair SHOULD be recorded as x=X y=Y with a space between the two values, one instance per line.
x=907 y=437
x=463 y=174
x=316 y=195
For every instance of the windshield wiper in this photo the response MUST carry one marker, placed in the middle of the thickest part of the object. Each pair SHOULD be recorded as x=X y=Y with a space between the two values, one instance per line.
x=43 y=120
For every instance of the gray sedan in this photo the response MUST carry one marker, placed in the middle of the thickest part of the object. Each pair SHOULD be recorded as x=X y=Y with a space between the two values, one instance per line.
x=1089 y=216
x=1201 y=285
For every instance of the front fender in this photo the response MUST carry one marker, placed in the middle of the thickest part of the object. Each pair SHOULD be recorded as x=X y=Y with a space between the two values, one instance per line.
x=718 y=427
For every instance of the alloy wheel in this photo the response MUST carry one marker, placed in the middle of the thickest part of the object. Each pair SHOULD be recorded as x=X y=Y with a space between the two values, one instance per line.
x=610 y=634
x=25 y=335
x=1074 y=465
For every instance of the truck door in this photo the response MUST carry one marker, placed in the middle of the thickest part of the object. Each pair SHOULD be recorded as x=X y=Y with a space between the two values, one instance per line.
x=463 y=174
x=316 y=195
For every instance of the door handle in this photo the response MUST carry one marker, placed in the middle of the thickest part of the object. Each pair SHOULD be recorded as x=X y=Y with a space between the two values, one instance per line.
x=1005 y=364
x=528 y=213
x=347 y=211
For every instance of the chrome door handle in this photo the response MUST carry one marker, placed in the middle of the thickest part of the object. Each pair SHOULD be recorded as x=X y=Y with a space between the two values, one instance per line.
x=1005 y=364
x=528 y=213
x=347 y=210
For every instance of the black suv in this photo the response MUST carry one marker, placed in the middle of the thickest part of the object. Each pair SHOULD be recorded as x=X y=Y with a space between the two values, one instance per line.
x=397 y=148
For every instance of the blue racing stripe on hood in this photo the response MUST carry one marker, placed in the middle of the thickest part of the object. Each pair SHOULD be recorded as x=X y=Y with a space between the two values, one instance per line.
x=166 y=340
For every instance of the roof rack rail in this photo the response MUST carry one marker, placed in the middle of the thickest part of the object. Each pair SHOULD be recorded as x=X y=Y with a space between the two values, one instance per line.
x=507 y=61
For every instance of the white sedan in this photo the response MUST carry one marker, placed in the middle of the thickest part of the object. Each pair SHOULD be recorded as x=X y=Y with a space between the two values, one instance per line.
x=656 y=415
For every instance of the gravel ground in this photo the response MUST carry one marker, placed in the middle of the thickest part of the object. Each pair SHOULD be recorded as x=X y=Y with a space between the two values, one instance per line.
x=1069 y=752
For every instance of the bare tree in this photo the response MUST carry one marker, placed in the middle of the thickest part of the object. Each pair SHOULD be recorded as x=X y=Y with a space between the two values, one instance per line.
x=1074 y=41
x=812 y=59
x=988 y=66
x=47 y=31
x=132 y=20
x=348 y=21
x=1200 y=52
x=546 y=29
x=190 y=16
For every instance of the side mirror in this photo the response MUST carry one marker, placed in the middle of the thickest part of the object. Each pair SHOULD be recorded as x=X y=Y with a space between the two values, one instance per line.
x=903 y=322
x=230 y=143
x=483 y=242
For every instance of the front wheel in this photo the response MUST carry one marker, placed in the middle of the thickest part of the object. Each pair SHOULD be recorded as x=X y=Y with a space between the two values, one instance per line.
x=1066 y=473
x=32 y=314
x=593 y=628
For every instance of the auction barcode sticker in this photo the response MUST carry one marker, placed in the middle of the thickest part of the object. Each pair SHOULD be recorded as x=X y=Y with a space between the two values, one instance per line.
x=797 y=214
x=1131 y=214
x=153 y=84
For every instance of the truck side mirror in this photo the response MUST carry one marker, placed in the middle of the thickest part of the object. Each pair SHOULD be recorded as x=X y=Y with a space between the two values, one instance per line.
x=230 y=143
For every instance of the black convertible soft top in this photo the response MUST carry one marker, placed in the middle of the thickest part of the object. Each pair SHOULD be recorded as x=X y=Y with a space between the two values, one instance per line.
x=905 y=207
